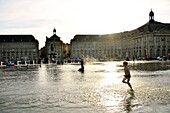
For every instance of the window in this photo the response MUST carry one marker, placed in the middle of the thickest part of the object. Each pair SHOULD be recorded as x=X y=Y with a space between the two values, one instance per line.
x=52 y=48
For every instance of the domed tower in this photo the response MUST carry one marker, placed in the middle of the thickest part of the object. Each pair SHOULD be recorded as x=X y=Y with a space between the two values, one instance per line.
x=54 y=31
x=151 y=16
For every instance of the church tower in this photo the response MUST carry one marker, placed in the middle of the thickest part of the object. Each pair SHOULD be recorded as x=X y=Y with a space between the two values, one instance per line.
x=151 y=16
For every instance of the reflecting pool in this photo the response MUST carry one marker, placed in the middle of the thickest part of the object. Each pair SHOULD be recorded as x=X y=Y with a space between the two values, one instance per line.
x=62 y=89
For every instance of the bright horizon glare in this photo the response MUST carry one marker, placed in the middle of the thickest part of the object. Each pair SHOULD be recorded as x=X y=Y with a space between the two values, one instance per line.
x=71 y=17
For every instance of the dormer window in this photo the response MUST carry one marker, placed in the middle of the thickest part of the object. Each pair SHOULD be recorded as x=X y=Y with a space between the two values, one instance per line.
x=162 y=39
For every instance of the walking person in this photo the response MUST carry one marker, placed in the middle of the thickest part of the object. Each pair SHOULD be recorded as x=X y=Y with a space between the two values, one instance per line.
x=127 y=75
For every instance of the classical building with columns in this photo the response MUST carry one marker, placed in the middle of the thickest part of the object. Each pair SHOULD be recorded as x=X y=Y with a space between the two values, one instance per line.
x=151 y=39
x=18 y=48
x=54 y=48
x=95 y=46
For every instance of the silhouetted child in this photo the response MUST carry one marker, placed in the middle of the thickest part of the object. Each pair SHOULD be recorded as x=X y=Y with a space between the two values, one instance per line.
x=127 y=75
x=82 y=65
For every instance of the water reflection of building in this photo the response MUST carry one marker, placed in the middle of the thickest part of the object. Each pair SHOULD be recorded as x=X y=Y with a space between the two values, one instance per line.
x=18 y=48
x=151 y=39
x=54 y=48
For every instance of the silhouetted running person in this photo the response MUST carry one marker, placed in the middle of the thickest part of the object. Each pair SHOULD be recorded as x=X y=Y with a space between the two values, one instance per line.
x=127 y=75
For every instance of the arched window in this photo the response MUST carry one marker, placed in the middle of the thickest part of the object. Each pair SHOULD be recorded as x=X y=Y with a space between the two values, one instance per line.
x=145 y=52
x=151 y=52
x=164 y=52
x=168 y=50
x=52 y=48
x=158 y=52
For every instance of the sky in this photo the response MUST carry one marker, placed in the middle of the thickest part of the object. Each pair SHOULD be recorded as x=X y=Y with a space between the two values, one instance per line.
x=72 y=17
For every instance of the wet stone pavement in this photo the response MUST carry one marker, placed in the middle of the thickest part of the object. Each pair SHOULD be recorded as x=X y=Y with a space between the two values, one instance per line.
x=62 y=89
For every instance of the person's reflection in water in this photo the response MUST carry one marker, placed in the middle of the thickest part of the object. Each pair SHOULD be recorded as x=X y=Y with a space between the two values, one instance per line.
x=128 y=101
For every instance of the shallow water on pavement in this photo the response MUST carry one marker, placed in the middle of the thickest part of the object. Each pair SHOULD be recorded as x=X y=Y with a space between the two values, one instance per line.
x=62 y=89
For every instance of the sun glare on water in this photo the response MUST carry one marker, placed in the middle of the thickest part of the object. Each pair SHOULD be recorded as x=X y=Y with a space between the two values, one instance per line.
x=111 y=74
x=107 y=87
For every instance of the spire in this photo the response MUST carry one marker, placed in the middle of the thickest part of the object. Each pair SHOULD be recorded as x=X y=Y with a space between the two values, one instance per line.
x=151 y=16
x=54 y=31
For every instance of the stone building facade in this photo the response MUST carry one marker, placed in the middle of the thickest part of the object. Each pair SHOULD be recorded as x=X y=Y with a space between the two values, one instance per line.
x=151 y=39
x=18 y=48
x=66 y=50
x=95 y=46
x=54 y=48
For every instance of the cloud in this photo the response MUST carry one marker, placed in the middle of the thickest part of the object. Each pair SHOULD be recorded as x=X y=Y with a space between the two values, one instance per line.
x=78 y=16
x=8 y=24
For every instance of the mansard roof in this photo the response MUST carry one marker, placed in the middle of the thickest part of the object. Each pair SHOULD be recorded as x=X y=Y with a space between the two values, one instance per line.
x=150 y=27
x=102 y=38
x=85 y=37
x=53 y=38
x=17 y=38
